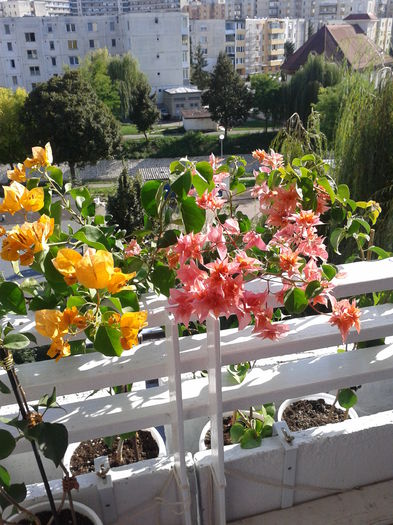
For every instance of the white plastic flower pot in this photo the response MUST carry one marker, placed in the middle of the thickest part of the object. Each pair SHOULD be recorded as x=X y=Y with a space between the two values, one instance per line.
x=153 y=431
x=44 y=505
x=328 y=398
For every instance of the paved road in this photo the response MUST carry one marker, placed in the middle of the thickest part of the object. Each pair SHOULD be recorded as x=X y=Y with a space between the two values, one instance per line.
x=247 y=131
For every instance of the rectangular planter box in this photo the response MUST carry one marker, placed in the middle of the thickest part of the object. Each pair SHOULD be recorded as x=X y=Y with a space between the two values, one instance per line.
x=330 y=459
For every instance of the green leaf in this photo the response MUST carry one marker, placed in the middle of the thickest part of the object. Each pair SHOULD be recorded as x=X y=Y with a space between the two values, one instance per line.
x=7 y=443
x=270 y=409
x=148 y=197
x=107 y=341
x=18 y=493
x=250 y=439
x=15 y=341
x=329 y=271
x=324 y=182
x=182 y=185
x=200 y=184
x=295 y=301
x=163 y=278
x=32 y=182
x=78 y=347
x=239 y=371
x=4 y=388
x=347 y=398
x=343 y=192
x=53 y=441
x=55 y=211
x=55 y=174
x=236 y=432
x=167 y=239
x=176 y=167
x=193 y=216
x=336 y=237
x=382 y=254
x=75 y=300
x=12 y=298
x=313 y=289
x=93 y=237
x=128 y=299
x=204 y=168
x=5 y=478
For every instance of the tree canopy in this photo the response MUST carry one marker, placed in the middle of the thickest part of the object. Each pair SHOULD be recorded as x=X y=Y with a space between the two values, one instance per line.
x=144 y=113
x=289 y=48
x=66 y=112
x=267 y=95
x=125 y=75
x=228 y=97
x=199 y=77
x=12 y=146
x=125 y=206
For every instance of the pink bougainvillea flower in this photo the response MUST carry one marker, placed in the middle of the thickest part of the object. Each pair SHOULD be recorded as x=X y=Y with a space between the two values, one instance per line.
x=260 y=155
x=345 y=315
x=210 y=200
x=231 y=226
x=274 y=160
x=216 y=237
x=246 y=263
x=252 y=239
x=133 y=248
x=306 y=219
x=190 y=274
x=289 y=260
x=181 y=304
x=190 y=247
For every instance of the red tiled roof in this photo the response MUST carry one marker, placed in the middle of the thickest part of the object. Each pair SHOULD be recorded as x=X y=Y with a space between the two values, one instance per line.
x=361 y=16
x=195 y=113
x=339 y=42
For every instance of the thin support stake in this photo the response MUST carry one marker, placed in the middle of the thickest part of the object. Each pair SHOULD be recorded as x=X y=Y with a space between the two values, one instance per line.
x=215 y=413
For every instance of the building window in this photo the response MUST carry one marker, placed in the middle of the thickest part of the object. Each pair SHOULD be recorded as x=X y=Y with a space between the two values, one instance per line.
x=32 y=54
x=51 y=45
x=30 y=37
x=158 y=73
x=72 y=44
x=184 y=40
x=203 y=40
x=91 y=26
x=7 y=29
x=74 y=61
x=70 y=28
x=33 y=85
x=9 y=46
x=12 y=62
x=91 y=43
x=111 y=26
x=113 y=42
x=185 y=56
x=50 y=28
x=128 y=25
x=34 y=71
x=53 y=61
x=185 y=74
x=15 y=81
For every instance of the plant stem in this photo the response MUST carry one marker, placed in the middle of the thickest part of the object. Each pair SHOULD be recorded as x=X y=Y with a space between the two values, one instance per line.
x=11 y=500
x=69 y=495
x=332 y=407
x=119 y=451
x=24 y=410
x=135 y=445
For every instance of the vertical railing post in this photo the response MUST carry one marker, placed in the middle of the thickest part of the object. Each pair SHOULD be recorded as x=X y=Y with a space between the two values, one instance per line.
x=177 y=418
x=215 y=413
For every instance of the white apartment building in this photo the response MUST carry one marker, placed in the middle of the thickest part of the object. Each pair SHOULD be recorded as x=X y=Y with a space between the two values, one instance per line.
x=16 y=8
x=210 y=35
x=33 y=49
x=296 y=31
x=102 y=7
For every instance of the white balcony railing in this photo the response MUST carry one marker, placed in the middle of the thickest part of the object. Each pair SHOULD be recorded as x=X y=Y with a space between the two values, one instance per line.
x=182 y=398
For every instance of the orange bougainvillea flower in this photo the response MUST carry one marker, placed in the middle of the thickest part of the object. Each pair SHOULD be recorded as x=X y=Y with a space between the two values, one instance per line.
x=50 y=323
x=130 y=324
x=95 y=269
x=59 y=348
x=17 y=197
x=114 y=319
x=2 y=231
x=344 y=316
x=42 y=157
x=71 y=316
x=22 y=242
x=260 y=155
x=18 y=174
x=118 y=280
x=65 y=262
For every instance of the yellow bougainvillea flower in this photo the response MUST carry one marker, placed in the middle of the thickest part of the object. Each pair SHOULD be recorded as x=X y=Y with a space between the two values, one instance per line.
x=22 y=242
x=71 y=316
x=2 y=231
x=18 y=174
x=17 y=197
x=130 y=324
x=59 y=348
x=119 y=280
x=42 y=157
x=114 y=319
x=65 y=262
x=50 y=323
x=95 y=269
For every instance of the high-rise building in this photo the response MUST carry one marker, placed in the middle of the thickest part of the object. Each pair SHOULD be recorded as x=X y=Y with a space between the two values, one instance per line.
x=33 y=49
x=102 y=7
x=10 y=8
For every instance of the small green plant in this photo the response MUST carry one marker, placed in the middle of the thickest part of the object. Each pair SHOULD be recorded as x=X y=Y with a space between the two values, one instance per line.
x=250 y=427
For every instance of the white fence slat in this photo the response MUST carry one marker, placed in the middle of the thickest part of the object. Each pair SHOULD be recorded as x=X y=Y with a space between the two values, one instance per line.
x=133 y=411
x=148 y=361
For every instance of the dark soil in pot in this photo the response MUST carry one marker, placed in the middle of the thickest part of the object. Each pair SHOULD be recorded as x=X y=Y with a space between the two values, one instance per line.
x=82 y=460
x=226 y=424
x=64 y=518
x=309 y=413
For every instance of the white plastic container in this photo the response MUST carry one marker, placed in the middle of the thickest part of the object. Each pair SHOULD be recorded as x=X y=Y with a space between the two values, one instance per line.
x=44 y=505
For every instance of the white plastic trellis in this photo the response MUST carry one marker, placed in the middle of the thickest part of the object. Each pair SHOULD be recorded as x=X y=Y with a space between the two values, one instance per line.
x=185 y=399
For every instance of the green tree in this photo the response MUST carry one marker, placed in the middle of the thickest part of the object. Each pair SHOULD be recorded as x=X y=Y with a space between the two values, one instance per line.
x=199 y=76
x=267 y=95
x=289 y=49
x=125 y=75
x=94 y=69
x=328 y=106
x=145 y=112
x=228 y=97
x=302 y=90
x=66 y=112
x=125 y=206
x=12 y=146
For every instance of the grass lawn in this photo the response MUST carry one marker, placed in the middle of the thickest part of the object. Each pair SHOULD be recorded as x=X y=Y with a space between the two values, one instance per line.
x=128 y=129
x=102 y=190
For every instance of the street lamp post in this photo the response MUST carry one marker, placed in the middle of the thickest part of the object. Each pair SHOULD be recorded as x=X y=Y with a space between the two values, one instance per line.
x=221 y=137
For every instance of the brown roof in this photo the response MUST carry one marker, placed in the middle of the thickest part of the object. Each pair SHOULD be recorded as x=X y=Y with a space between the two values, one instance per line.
x=361 y=16
x=339 y=42
x=195 y=113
